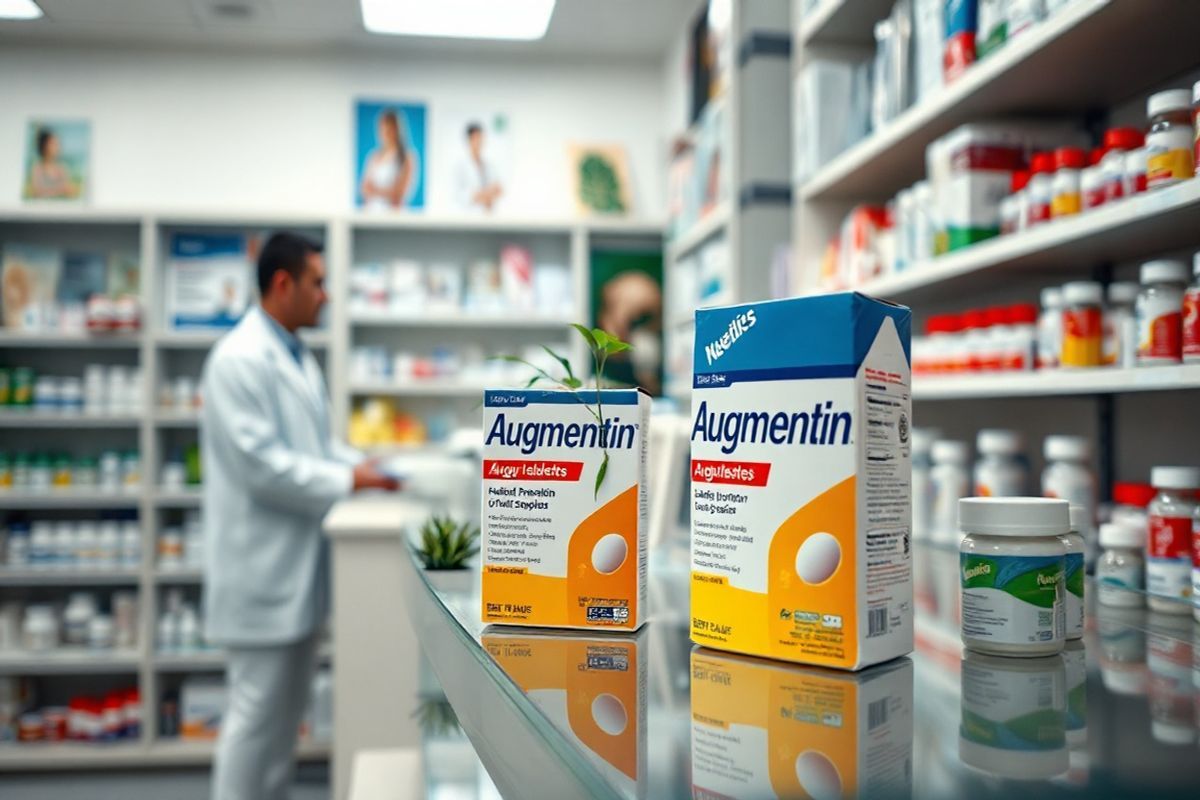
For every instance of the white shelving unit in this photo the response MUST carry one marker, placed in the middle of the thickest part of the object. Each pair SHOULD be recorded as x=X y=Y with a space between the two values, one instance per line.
x=1093 y=62
x=164 y=354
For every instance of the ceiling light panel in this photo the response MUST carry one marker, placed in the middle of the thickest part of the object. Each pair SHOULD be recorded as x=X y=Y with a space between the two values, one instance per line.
x=461 y=19
x=19 y=9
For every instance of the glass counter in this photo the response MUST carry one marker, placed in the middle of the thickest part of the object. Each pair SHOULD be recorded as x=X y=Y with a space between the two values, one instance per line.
x=576 y=714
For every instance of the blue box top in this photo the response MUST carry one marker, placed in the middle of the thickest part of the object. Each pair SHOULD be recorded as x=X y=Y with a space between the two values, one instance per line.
x=519 y=398
x=803 y=337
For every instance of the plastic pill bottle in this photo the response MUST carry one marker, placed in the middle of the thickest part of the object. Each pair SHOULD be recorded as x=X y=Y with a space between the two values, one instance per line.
x=1011 y=563
x=1135 y=171
x=1049 y=328
x=922 y=482
x=951 y=481
x=1121 y=570
x=1091 y=181
x=1119 y=346
x=1170 y=140
x=1083 y=324
x=1014 y=212
x=1191 y=316
x=1040 y=191
x=1068 y=475
x=1118 y=143
x=1021 y=353
x=1000 y=470
x=1196 y=122
x=1169 y=540
x=1160 y=312
x=1074 y=572
x=1129 y=505
x=1066 y=188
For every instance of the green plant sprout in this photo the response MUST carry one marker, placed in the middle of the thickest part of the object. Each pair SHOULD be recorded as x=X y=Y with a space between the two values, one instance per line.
x=445 y=544
x=602 y=344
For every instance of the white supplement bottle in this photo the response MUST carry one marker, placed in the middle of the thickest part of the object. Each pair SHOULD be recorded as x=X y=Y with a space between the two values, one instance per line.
x=1000 y=470
x=1074 y=574
x=1119 y=348
x=1049 y=328
x=1191 y=306
x=1160 y=312
x=951 y=481
x=1121 y=570
x=1011 y=563
x=1169 y=540
x=1169 y=157
x=1068 y=476
x=922 y=483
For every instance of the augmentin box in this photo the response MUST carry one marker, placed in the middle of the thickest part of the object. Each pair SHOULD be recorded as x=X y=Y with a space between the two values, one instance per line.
x=801 y=507
x=556 y=552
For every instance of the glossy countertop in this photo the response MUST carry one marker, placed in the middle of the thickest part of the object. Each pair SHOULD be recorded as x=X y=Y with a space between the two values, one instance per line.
x=563 y=714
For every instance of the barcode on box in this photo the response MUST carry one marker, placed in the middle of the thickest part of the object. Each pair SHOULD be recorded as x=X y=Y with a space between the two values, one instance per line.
x=877 y=714
x=877 y=622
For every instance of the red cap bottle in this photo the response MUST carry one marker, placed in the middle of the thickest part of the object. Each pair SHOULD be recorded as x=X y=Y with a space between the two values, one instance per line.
x=1069 y=158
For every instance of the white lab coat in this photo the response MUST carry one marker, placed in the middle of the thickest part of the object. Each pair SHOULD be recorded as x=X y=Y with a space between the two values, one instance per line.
x=271 y=471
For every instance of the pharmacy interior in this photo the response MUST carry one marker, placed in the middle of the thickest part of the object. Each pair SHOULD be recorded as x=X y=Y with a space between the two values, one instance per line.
x=791 y=399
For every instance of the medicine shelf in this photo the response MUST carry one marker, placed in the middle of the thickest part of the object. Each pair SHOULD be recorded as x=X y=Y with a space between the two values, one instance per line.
x=123 y=755
x=24 y=576
x=707 y=227
x=1136 y=227
x=178 y=576
x=417 y=388
x=214 y=660
x=513 y=321
x=167 y=418
x=70 y=341
x=44 y=420
x=843 y=22
x=37 y=501
x=1101 y=380
x=203 y=340
x=68 y=661
x=1091 y=54
x=178 y=498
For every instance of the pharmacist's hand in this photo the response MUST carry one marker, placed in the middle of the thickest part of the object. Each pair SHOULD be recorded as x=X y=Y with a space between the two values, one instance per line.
x=367 y=475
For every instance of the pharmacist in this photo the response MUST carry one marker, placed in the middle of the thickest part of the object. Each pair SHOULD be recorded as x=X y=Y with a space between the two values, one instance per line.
x=271 y=471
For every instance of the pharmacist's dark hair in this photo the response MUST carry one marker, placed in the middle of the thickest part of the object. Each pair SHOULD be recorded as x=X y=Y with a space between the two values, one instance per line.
x=284 y=251
x=473 y=128
x=44 y=135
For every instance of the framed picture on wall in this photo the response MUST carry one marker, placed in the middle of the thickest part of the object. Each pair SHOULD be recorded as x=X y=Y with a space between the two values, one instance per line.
x=57 y=164
x=390 y=154
x=472 y=162
x=599 y=178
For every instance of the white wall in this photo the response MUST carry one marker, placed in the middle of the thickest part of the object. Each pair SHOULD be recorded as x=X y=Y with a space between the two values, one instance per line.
x=235 y=130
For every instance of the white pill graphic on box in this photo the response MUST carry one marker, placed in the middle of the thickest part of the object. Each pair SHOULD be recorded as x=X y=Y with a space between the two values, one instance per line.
x=818 y=558
x=609 y=553
x=818 y=776
x=609 y=714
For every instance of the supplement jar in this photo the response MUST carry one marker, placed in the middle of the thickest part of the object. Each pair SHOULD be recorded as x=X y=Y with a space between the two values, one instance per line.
x=1169 y=541
x=1121 y=570
x=1160 y=312
x=1191 y=316
x=1082 y=324
x=1066 y=189
x=1000 y=470
x=1119 y=347
x=950 y=481
x=1074 y=573
x=1118 y=142
x=1049 y=328
x=1040 y=191
x=1067 y=475
x=922 y=484
x=1135 y=171
x=1170 y=139
x=1091 y=181
x=1011 y=564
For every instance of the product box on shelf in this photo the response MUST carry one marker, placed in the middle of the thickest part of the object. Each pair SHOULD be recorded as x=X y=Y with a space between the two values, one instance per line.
x=592 y=688
x=799 y=731
x=801 y=508
x=202 y=705
x=564 y=508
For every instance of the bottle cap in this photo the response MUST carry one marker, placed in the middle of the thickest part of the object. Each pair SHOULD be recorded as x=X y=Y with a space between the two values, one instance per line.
x=1164 y=271
x=998 y=315
x=1020 y=179
x=1014 y=516
x=1170 y=100
x=1196 y=92
x=1121 y=534
x=1122 y=292
x=1023 y=314
x=923 y=439
x=1082 y=293
x=998 y=442
x=975 y=319
x=947 y=451
x=1051 y=297
x=1175 y=477
x=1096 y=155
x=1042 y=163
x=1069 y=158
x=952 y=323
x=1066 y=448
x=1133 y=494
x=1123 y=139
x=1079 y=519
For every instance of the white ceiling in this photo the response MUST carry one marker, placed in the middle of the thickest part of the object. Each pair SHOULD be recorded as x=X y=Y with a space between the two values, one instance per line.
x=627 y=28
